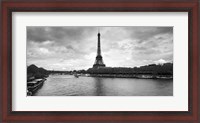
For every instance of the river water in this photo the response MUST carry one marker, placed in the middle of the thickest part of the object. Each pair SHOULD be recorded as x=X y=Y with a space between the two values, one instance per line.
x=68 y=85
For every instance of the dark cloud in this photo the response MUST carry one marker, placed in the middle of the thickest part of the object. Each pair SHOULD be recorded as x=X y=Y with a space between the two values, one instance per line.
x=70 y=47
x=144 y=33
x=37 y=34
x=41 y=34
x=140 y=48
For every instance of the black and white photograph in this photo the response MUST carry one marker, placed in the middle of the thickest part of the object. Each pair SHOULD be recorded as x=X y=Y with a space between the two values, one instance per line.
x=99 y=60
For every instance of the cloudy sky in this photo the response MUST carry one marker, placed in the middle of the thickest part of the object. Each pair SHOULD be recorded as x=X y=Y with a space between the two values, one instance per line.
x=70 y=48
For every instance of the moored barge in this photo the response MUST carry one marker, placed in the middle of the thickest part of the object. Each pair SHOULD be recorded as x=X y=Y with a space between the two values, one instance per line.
x=33 y=86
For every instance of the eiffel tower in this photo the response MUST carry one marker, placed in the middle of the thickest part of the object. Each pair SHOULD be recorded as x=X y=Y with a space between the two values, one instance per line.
x=99 y=59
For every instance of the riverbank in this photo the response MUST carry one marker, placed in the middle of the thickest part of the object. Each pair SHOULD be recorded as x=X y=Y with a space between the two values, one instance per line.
x=138 y=76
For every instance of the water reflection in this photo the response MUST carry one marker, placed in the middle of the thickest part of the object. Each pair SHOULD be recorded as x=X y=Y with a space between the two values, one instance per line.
x=98 y=86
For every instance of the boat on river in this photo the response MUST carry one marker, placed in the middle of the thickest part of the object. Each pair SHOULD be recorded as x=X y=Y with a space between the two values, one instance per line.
x=33 y=86
x=76 y=75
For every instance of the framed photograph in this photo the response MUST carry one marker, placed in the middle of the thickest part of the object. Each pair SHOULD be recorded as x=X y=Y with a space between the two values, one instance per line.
x=100 y=61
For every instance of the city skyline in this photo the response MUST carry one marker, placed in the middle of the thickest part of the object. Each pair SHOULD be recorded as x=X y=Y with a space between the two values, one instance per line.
x=74 y=48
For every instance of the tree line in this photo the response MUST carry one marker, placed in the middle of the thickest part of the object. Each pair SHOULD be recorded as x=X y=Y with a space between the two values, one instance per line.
x=152 y=69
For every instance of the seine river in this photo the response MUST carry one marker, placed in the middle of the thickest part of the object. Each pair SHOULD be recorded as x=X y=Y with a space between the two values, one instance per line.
x=68 y=85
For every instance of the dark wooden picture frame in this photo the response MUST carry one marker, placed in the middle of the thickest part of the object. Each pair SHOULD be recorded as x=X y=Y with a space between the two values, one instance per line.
x=190 y=6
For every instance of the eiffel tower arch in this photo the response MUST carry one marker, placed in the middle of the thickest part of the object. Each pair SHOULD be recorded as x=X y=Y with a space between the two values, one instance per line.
x=99 y=59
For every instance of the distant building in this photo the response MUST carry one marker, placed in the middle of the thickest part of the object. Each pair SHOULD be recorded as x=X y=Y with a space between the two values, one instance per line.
x=99 y=59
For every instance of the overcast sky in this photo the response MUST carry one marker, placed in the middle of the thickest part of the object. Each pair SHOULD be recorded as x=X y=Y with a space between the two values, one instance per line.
x=70 y=48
